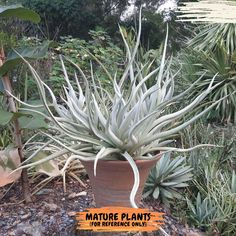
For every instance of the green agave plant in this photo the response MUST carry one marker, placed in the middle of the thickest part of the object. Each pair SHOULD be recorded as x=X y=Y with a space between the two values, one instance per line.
x=129 y=123
x=167 y=178
x=220 y=64
x=214 y=206
x=201 y=211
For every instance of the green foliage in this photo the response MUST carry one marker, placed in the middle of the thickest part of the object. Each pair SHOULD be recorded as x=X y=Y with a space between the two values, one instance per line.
x=20 y=12
x=211 y=159
x=5 y=134
x=26 y=120
x=75 y=17
x=167 y=178
x=209 y=37
x=210 y=197
x=82 y=53
x=212 y=50
x=5 y=117
x=5 y=138
x=217 y=212
x=214 y=63
x=32 y=122
x=14 y=58
x=11 y=25
x=201 y=211
x=7 y=41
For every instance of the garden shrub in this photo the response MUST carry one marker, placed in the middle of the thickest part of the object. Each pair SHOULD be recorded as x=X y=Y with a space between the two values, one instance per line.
x=210 y=197
x=85 y=53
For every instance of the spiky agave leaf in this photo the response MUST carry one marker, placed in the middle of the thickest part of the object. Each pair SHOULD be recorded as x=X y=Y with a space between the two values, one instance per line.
x=218 y=63
x=167 y=177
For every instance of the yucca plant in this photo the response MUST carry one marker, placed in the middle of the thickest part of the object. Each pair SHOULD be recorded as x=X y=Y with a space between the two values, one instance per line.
x=220 y=64
x=167 y=178
x=208 y=37
x=212 y=50
x=129 y=123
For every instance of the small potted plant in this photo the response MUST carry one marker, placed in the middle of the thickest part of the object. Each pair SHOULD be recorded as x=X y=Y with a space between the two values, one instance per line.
x=118 y=135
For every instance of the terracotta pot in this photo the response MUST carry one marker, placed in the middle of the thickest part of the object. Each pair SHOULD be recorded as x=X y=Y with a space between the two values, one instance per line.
x=114 y=181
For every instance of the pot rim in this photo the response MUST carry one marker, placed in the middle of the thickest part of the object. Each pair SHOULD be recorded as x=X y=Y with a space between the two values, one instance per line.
x=125 y=161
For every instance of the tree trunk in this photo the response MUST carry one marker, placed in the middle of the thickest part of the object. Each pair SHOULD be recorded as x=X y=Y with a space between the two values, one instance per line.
x=17 y=132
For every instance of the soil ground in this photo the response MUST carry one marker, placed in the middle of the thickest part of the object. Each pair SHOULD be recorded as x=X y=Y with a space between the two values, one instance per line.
x=52 y=212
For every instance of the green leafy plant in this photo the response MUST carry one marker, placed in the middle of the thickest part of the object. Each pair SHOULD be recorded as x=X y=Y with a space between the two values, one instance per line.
x=217 y=211
x=211 y=159
x=82 y=53
x=130 y=123
x=75 y=17
x=210 y=196
x=5 y=138
x=216 y=63
x=11 y=114
x=201 y=211
x=167 y=178
x=208 y=37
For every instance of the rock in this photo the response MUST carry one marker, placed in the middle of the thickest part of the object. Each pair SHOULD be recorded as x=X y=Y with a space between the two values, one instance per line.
x=24 y=217
x=51 y=206
x=74 y=195
x=34 y=229
x=44 y=191
x=52 y=220
x=2 y=223
x=40 y=214
x=11 y=233
x=21 y=212
x=194 y=233
x=15 y=223
x=71 y=213
x=20 y=233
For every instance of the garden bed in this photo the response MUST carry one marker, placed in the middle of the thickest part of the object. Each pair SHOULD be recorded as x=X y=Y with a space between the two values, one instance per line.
x=52 y=212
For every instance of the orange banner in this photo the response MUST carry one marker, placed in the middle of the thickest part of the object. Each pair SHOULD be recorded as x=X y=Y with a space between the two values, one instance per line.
x=109 y=219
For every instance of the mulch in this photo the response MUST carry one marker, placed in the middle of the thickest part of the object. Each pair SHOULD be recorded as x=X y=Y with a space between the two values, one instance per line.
x=52 y=212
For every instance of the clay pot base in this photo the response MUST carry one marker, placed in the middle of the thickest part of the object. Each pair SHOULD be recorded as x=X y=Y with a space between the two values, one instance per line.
x=114 y=181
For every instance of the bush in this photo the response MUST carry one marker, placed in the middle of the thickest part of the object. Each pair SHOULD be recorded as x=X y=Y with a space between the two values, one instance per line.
x=216 y=211
x=219 y=64
x=211 y=196
x=83 y=53
x=71 y=17
x=76 y=17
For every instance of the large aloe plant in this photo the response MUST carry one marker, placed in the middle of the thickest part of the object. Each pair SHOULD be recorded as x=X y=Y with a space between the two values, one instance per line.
x=131 y=122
